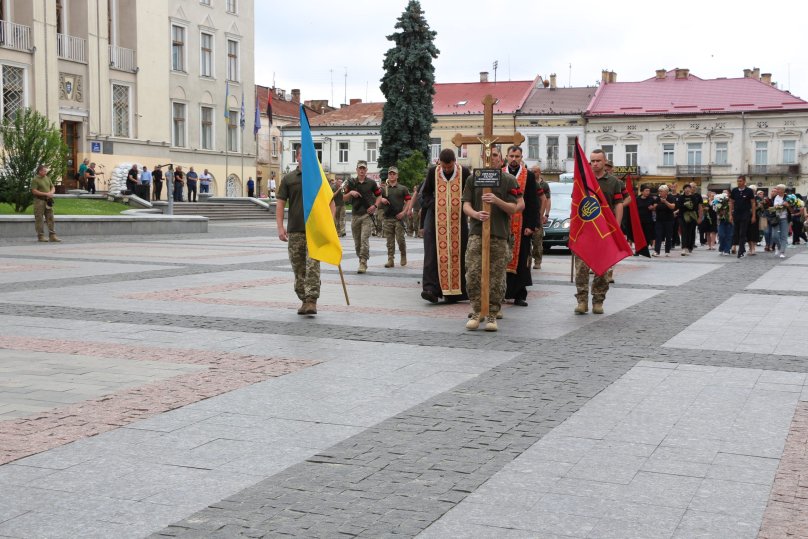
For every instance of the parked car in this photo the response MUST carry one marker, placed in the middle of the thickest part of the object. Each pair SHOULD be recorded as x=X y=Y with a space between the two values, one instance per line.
x=557 y=227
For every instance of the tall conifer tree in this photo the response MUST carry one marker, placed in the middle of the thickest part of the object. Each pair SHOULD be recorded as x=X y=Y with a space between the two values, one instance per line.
x=408 y=86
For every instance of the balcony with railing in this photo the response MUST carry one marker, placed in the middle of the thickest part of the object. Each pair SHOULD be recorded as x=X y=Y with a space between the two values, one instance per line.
x=774 y=170
x=71 y=48
x=693 y=171
x=15 y=36
x=553 y=166
x=122 y=59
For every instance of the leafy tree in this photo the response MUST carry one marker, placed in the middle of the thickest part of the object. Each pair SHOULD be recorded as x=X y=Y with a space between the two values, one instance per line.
x=408 y=85
x=412 y=169
x=28 y=140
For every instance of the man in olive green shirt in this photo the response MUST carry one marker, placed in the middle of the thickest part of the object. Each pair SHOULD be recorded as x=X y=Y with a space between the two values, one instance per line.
x=396 y=203
x=364 y=195
x=43 y=190
x=505 y=200
x=306 y=269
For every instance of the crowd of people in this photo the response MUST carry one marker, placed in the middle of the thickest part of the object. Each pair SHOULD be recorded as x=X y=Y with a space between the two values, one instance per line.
x=733 y=222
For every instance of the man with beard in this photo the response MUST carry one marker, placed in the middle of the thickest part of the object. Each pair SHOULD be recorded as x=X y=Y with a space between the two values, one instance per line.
x=445 y=230
x=523 y=226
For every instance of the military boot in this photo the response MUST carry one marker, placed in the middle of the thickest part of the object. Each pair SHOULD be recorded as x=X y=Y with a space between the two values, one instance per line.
x=597 y=307
x=54 y=239
x=403 y=258
x=390 y=262
x=474 y=321
x=310 y=306
x=363 y=266
x=582 y=307
x=491 y=323
x=42 y=239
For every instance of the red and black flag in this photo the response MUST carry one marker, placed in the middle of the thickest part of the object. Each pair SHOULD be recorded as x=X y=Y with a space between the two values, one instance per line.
x=595 y=236
x=640 y=241
x=269 y=106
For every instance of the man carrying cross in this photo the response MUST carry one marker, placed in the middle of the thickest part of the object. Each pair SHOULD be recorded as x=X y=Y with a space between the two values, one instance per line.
x=504 y=201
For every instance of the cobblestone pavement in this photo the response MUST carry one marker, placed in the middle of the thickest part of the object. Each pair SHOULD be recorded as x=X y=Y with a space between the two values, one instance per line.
x=154 y=387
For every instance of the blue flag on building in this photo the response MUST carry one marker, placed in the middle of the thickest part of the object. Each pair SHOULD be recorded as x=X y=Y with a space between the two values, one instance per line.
x=241 y=118
x=257 y=123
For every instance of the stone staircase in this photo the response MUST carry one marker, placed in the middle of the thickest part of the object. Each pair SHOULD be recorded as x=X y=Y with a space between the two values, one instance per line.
x=223 y=209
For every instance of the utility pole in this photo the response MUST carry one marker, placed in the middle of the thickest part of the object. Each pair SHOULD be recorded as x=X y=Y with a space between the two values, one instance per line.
x=496 y=64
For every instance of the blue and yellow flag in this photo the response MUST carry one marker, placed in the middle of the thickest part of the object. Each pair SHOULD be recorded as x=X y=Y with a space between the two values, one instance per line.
x=321 y=232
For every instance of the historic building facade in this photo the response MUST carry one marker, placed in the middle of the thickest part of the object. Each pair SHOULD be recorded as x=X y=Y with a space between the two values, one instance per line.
x=137 y=82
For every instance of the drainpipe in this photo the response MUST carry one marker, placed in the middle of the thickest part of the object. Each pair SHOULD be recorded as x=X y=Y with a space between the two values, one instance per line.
x=743 y=141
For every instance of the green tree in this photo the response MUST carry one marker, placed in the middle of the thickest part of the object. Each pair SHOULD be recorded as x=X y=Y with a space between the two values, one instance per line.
x=412 y=169
x=408 y=85
x=28 y=140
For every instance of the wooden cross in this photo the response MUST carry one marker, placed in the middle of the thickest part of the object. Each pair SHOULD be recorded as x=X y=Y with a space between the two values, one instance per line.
x=487 y=140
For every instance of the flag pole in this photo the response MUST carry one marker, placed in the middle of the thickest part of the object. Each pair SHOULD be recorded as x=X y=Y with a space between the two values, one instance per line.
x=344 y=289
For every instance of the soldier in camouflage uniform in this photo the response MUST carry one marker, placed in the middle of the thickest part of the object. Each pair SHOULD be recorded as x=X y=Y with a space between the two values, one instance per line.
x=505 y=200
x=396 y=203
x=339 y=203
x=613 y=193
x=306 y=269
x=364 y=195
x=544 y=213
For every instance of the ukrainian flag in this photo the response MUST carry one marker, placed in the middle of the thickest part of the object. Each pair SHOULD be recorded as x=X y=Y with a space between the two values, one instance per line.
x=321 y=232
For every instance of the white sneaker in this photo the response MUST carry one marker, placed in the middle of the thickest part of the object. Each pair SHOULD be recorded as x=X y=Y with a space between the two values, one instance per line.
x=782 y=255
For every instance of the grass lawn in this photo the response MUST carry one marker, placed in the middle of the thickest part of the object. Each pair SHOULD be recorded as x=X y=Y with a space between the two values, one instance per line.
x=74 y=206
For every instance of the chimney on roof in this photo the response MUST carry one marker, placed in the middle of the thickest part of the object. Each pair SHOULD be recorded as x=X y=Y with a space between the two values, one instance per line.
x=483 y=76
x=604 y=76
x=756 y=73
x=612 y=76
x=552 y=81
x=682 y=73
x=661 y=74
x=766 y=78
x=295 y=95
x=354 y=101
x=747 y=73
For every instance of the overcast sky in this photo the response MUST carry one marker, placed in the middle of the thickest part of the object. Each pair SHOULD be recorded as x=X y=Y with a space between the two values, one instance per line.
x=311 y=44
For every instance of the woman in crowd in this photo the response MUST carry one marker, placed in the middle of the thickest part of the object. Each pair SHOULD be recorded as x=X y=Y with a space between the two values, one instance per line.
x=721 y=205
x=690 y=215
x=710 y=222
x=664 y=209
x=644 y=203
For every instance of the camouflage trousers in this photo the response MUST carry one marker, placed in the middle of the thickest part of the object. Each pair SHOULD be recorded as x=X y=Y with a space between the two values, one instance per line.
x=43 y=214
x=379 y=226
x=361 y=225
x=500 y=256
x=600 y=284
x=394 y=232
x=538 y=248
x=307 y=270
x=339 y=220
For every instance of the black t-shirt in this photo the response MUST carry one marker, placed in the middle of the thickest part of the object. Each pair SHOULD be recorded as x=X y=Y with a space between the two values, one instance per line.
x=664 y=214
x=743 y=201
x=642 y=208
x=157 y=175
x=687 y=203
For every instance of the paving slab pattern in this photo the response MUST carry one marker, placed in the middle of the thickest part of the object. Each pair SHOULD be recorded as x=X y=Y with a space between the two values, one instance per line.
x=389 y=419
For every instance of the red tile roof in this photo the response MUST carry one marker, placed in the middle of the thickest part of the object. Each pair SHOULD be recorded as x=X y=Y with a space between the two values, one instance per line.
x=691 y=95
x=549 y=101
x=280 y=107
x=467 y=97
x=358 y=114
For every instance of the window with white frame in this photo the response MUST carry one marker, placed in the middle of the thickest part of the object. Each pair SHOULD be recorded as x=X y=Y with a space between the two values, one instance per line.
x=294 y=146
x=179 y=119
x=533 y=148
x=342 y=151
x=608 y=151
x=694 y=153
x=232 y=6
x=789 y=152
x=206 y=54
x=232 y=60
x=204 y=2
x=761 y=152
x=177 y=48
x=631 y=155
x=371 y=148
x=274 y=146
x=232 y=131
x=552 y=153
x=318 y=149
x=120 y=110
x=434 y=149
x=206 y=128
x=570 y=147
x=722 y=153
x=463 y=152
x=13 y=90
x=667 y=154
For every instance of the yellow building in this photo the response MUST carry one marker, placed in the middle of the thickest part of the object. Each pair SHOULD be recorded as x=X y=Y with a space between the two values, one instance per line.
x=137 y=82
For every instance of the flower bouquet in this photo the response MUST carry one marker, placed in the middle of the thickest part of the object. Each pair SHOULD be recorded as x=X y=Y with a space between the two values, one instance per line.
x=720 y=206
